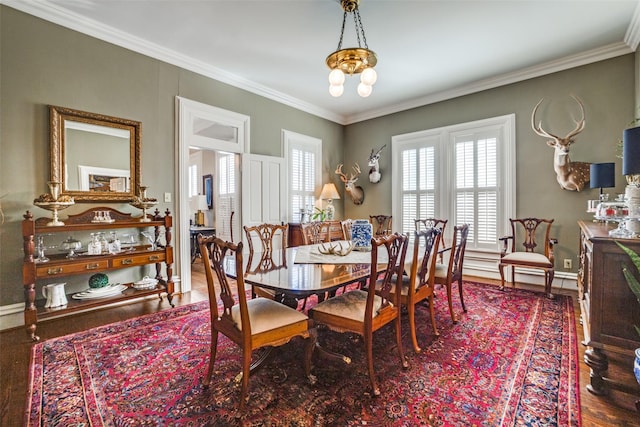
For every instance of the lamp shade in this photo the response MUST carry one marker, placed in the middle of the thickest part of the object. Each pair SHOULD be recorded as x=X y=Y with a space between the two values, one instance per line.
x=631 y=151
x=603 y=175
x=202 y=203
x=329 y=191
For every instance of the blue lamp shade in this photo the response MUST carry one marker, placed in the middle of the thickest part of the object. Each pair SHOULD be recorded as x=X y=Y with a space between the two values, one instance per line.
x=603 y=175
x=631 y=151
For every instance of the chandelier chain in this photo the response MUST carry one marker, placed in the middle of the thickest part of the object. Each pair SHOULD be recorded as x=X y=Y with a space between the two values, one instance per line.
x=344 y=21
x=359 y=25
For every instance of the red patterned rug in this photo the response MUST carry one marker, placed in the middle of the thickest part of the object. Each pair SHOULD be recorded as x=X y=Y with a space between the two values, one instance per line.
x=511 y=360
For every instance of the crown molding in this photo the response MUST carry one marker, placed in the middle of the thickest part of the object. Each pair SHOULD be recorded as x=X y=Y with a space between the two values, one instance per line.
x=53 y=13
x=57 y=15
x=584 y=58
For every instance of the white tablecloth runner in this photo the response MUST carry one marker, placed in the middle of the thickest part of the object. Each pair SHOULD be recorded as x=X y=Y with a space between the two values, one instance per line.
x=309 y=254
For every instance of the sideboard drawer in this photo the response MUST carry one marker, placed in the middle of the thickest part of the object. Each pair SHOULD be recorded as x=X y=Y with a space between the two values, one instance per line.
x=140 y=259
x=73 y=268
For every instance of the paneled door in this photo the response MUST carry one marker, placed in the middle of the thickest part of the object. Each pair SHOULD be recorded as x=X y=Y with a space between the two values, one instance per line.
x=263 y=190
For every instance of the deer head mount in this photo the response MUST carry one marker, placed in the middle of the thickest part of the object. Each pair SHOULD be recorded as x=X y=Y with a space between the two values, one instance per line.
x=571 y=176
x=354 y=191
x=374 y=172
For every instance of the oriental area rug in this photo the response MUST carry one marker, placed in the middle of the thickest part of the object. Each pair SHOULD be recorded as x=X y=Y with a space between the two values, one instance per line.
x=510 y=360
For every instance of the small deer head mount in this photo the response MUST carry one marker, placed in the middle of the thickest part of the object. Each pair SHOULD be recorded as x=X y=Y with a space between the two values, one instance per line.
x=354 y=191
x=571 y=176
x=374 y=172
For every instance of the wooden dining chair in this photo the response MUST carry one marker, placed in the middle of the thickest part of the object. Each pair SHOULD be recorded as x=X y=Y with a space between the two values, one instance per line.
x=315 y=232
x=426 y=223
x=524 y=251
x=271 y=237
x=446 y=274
x=365 y=311
x=346 y=228
x=381 y=224
x=419 y=284
x=251 y=324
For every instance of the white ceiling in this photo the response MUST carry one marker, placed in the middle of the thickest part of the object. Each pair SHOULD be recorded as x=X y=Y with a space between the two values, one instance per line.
x=428 y=50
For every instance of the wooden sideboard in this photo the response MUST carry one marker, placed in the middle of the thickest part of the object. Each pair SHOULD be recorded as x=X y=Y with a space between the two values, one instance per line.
x=59 y=266
x=295 y=233
x=608 y=307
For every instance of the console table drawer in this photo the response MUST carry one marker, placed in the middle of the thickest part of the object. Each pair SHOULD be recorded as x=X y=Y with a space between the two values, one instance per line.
x=142 y=259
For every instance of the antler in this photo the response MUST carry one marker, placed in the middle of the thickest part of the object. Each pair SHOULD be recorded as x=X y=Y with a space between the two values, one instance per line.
x=343 y=177
x=356 y=168
x=336 y=250
x=540 y=131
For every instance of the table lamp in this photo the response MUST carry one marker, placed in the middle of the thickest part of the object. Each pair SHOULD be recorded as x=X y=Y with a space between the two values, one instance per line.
x=199 y=204
x=603 y=175
x=330 y=192
x=631 y=155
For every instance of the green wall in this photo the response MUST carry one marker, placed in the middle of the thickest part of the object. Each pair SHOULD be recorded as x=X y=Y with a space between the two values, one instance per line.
x=607 y=91
x=42 y=63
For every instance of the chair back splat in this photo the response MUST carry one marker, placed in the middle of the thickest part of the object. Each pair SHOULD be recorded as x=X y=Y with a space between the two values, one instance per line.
x=381 y=224
x=426 y=223
x=251 y=324
x=524 y=251
x=364 y=311
x=315 y=232
x=272 y=238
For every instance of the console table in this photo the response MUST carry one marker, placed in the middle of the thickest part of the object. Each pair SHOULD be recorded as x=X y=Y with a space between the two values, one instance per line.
x=608 y=307
x=194 y=230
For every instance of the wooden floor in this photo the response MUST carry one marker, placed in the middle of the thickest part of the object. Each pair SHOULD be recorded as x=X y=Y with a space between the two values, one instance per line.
x=617 y=409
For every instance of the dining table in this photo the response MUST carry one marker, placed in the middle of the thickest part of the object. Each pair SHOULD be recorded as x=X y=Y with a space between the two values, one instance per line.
x=298 y=272
x=295 y=273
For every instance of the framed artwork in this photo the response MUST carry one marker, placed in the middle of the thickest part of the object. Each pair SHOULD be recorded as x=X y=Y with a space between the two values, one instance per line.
x=207 y=185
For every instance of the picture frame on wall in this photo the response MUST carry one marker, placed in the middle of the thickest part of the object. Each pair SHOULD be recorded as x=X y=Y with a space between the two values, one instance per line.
x=207 y=185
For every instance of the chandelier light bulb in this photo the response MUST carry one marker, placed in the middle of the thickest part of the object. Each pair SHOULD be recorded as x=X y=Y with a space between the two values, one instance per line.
x=369 y=76
x=364 y=90
x=336 y=77
x=336 y=90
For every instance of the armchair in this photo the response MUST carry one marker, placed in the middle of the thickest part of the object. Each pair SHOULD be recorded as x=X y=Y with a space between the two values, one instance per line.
x=526 y=254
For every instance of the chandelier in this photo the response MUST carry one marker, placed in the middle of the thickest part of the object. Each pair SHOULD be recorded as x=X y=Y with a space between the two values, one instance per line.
x=353 y=60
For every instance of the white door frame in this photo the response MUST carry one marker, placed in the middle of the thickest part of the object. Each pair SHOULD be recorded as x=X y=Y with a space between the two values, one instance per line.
x=187 y=111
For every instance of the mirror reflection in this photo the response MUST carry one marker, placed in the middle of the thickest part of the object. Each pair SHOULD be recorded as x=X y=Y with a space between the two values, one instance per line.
x=96 y=157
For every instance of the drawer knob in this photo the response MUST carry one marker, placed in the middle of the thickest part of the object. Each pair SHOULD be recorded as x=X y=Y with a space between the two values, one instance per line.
x=127 y=261
x=154 y=258
x=92 y=266
x=56 y=270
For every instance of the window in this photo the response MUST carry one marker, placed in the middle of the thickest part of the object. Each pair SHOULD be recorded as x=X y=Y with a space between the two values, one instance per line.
x=460 y=173
x=303 y=156
x=227 y=194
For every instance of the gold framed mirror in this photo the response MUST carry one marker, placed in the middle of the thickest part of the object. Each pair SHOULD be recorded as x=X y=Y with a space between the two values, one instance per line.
x=95 y=157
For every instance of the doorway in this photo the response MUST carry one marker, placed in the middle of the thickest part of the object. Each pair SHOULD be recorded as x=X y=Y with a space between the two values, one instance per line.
x=215 y=138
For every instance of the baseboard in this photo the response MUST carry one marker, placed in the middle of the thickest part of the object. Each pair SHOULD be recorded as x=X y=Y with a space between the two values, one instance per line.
x=11 y=316
x=561 y=280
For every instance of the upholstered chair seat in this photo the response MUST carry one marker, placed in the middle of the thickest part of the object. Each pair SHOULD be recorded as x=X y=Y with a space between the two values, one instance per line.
x=350 y=305
x=267 y=315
